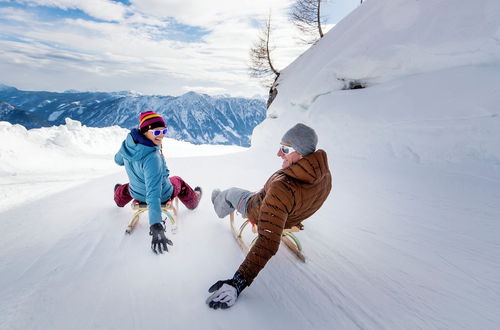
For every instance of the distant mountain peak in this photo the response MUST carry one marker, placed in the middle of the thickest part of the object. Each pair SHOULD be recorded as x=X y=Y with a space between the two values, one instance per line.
x=193 y=117
x=127 y=93
x=191 y=94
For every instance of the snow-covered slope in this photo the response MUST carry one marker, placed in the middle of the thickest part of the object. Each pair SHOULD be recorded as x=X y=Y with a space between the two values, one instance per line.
x=384 y=40
x=395 y=247
x=440 y=118
x=431 y=69
x=408 y=239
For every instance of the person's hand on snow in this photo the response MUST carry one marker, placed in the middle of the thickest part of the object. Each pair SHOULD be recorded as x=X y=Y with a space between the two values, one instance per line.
x=225 y=293
x=159 y=241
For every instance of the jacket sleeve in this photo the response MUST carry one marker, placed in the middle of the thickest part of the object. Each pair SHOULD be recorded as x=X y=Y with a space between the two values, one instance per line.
x=119 y=159
x=152 y=180
x=276 y=206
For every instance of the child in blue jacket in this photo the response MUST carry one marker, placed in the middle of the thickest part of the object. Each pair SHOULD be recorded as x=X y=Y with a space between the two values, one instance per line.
x=148 y=175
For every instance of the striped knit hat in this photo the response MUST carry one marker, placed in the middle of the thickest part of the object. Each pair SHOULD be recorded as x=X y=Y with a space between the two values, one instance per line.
x=149 y=120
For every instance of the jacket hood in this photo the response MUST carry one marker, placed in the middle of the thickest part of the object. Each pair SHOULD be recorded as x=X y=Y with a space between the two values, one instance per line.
x=310 y=168
x=136 y=146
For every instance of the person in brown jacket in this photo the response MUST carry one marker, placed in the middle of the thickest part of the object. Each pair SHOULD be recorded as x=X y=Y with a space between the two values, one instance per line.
x=291 y=195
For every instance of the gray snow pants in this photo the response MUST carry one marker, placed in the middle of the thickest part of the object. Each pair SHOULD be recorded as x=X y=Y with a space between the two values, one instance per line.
x=231 y=199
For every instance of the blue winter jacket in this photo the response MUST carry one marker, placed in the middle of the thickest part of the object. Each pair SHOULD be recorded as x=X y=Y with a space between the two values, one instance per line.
x=147 y=172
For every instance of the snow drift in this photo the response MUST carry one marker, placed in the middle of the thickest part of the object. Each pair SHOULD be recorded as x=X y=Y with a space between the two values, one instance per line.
x=431 y=71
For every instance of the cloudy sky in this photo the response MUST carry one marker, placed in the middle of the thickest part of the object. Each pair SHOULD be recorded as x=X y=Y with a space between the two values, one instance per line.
x=163 y=47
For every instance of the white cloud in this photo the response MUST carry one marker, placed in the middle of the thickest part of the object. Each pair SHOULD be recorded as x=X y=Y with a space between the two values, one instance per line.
x=208 y=13
x=17 y=15
x=134 y=44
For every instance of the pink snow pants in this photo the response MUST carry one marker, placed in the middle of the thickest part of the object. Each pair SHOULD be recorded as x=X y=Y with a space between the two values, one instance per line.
x=182 y=190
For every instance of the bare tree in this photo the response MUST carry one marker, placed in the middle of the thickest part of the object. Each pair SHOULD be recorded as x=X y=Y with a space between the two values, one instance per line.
x=306 y=16
x=261 y=64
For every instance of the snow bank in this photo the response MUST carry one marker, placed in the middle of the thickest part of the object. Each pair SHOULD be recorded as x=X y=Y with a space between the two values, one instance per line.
x=66 y=148
x=432 y=86
x=384 y=40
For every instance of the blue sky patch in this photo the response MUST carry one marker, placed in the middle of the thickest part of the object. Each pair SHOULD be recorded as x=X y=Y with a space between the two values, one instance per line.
x=50 y=14
x=125 y=2
x=186 y=33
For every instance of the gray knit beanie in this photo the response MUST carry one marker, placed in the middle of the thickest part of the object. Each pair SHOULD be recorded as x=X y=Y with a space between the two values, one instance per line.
x=302 y=138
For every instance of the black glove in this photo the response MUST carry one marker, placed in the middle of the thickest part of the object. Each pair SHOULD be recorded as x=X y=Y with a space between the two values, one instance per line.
x=159 y=241
x=225 y=293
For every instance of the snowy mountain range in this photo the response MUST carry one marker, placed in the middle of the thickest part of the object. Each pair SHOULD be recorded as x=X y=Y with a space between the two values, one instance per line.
x=28 y=119
x=192 y=117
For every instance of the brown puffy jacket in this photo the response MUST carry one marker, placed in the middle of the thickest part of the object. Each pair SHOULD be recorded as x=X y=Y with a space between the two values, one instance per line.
x=288 y=197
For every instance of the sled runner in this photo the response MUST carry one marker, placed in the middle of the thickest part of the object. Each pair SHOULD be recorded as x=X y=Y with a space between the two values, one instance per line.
x=290 y=240
x=168 y=209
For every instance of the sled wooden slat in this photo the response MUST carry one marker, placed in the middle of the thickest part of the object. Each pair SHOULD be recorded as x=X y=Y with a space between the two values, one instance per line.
x=288 y=238
x=167 y=209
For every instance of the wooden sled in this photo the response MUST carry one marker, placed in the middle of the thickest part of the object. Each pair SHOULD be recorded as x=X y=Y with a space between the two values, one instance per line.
x=290 y=240
x=168 y=209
